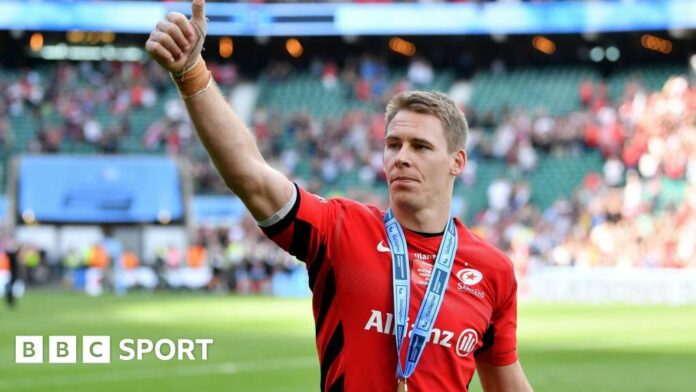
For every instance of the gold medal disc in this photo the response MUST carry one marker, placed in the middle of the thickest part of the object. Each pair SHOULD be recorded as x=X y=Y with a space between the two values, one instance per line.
x=401 y=386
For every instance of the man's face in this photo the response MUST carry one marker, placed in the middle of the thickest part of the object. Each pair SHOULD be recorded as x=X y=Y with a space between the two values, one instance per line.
x=418 y=165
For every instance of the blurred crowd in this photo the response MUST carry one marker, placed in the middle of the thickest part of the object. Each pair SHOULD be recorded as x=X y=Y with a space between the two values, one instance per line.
x=238 y=259
x=95 y=105
x=639 y=211
x=70 y=103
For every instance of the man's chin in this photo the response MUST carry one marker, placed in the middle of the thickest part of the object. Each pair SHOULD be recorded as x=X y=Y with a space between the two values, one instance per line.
x=400 y=191
x=405 y=196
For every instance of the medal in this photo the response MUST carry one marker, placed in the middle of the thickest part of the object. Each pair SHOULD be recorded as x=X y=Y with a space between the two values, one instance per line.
x=401 y=386
x=434 y=293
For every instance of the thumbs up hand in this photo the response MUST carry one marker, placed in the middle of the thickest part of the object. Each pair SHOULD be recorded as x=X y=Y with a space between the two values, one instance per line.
x=176 y=42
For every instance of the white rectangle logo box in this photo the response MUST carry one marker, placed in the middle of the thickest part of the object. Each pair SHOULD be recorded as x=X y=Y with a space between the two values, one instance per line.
x=29 y=349
x=96 y=349
x=62 y=349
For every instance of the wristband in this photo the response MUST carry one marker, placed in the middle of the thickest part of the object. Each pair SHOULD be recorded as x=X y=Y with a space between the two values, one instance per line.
x=193 y=80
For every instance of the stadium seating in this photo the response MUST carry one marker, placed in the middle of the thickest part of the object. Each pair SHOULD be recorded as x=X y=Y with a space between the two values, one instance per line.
x=304 y=92
x=553 y=89
x=651 y=77
x=550 y=89
x=558 y=177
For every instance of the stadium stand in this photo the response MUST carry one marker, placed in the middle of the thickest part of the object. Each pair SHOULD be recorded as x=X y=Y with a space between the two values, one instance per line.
x=552 y=88
x=545 y=149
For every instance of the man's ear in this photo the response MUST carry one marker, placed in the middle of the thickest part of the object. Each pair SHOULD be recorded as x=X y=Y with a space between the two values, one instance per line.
x=458 y=162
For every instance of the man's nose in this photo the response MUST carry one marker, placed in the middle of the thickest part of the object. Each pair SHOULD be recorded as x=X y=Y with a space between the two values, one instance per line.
x=402 y=158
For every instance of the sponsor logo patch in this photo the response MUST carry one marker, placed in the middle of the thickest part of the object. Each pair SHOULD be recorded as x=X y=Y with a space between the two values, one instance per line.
x=467 y=342
x=469 y=276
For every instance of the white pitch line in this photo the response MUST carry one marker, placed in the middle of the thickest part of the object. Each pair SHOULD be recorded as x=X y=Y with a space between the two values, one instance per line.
x=154 y=373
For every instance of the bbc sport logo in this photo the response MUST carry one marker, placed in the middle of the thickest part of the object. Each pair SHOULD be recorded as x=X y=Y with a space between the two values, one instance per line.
x=97 y=349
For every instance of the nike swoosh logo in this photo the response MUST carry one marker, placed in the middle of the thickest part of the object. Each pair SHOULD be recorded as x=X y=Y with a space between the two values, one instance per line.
x=382 y=248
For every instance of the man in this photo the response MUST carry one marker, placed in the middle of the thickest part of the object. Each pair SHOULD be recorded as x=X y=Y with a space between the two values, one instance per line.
x=112 y=246
x=12 y=251
x=364 y=263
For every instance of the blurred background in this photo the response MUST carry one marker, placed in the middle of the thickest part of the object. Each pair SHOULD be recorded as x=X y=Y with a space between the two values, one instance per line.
x=582 y=168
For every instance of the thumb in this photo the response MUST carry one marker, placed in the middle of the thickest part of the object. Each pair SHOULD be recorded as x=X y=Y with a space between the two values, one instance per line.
x=198 y=10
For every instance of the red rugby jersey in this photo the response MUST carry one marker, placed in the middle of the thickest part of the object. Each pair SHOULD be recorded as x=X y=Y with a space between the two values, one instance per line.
x=345 y=248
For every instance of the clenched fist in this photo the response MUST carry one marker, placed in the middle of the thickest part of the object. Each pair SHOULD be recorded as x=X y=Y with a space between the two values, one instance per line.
x=176 y=41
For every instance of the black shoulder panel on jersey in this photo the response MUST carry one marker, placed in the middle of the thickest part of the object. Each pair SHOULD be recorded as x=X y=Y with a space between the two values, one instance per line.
x=327 y=299
x=488 y=339
x=301 y=235
x=337 y=386
x=315 y=266
x=333 y=349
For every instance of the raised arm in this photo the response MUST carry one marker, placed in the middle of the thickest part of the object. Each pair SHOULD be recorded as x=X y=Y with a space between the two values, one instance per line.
x=176 y=45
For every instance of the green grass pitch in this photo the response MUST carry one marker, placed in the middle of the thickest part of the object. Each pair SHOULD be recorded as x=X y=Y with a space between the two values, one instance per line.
x=267 y=344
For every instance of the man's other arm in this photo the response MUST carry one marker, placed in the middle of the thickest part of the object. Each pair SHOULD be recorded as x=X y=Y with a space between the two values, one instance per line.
x=176 y=45
x=508 y=378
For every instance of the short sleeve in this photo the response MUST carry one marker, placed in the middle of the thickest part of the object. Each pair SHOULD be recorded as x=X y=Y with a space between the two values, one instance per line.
x=500 y=340
x=304 y=232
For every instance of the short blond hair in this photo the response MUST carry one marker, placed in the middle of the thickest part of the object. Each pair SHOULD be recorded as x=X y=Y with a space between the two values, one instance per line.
x=437 y=104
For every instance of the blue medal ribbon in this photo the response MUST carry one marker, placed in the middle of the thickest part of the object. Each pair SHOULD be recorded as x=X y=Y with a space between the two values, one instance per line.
x=401 y=284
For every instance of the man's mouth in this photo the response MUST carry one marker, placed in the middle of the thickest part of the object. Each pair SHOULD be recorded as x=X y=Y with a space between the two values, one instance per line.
x=402 y=179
